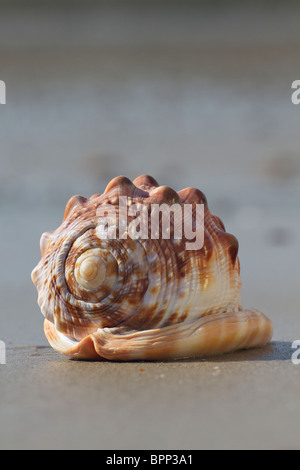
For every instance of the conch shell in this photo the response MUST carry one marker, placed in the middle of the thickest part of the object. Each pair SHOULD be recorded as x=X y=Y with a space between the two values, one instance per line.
x=142 y=299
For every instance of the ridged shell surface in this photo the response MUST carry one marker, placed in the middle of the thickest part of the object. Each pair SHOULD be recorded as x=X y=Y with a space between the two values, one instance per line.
x=151 y=298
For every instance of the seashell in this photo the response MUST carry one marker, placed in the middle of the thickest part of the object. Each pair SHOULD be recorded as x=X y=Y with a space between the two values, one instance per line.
x=125 y=298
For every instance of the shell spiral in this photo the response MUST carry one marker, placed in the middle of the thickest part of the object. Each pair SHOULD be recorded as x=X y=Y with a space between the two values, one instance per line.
x=149 y=297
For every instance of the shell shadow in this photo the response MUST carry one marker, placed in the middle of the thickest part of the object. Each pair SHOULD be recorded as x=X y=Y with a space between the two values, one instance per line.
x=274 y=351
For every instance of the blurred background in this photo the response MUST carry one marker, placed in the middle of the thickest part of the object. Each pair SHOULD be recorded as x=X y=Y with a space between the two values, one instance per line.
x=194 y=93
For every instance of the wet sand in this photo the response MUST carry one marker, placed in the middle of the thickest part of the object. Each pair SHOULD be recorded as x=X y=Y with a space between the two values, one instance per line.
x=195 y=98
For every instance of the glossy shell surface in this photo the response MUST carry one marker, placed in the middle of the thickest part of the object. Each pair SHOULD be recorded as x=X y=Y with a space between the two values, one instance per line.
x=122 y=298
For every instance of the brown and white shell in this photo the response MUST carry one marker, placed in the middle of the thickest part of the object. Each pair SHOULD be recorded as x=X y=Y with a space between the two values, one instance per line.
x=142 y=299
